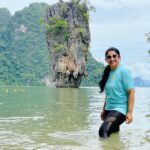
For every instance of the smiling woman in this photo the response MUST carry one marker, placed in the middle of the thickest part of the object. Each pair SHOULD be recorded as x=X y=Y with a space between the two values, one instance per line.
x=119 y=88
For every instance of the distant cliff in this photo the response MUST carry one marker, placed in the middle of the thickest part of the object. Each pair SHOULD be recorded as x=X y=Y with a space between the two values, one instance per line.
x=139 y=82
x=68 y=39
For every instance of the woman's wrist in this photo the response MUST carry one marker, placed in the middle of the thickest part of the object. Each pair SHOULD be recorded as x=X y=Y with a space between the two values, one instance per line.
x=129 y=112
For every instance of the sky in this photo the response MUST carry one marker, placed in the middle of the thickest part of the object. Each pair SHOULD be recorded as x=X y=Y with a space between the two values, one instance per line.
x=118 y=23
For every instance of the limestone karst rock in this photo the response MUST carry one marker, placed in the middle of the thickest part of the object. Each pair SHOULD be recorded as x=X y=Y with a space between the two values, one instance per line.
x=68 y=39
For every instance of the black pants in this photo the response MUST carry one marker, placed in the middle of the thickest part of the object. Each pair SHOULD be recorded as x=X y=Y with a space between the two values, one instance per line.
x=113 y=119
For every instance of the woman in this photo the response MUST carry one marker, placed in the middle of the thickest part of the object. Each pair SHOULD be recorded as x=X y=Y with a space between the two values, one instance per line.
x=119 y=88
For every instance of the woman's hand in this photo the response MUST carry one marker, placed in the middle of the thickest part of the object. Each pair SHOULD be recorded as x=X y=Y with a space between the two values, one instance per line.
x=129 y=118
x=102 y=115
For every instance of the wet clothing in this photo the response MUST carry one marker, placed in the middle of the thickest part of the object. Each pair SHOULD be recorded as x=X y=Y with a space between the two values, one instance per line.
x=119 y=82
x=113 y=119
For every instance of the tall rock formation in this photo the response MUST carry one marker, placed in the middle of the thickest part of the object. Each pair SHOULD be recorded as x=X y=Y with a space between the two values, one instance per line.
x=68 y=39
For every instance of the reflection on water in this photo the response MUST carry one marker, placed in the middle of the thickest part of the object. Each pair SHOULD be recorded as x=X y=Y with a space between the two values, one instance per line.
x=50 y=118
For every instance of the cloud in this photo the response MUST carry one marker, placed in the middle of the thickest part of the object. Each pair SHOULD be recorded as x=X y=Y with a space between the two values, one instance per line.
x=129 y=37
x=128 y=3
x=108 y=11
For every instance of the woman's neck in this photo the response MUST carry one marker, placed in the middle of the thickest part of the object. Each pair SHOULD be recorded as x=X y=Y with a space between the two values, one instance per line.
x=114 y=68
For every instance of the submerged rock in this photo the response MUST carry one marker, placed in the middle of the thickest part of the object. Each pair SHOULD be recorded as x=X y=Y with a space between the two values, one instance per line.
x=68 y=39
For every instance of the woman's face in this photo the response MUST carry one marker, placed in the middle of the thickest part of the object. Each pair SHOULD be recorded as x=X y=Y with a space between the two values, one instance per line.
x=113 y=59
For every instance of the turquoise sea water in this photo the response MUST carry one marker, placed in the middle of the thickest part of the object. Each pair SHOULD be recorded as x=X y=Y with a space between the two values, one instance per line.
x=66 y=119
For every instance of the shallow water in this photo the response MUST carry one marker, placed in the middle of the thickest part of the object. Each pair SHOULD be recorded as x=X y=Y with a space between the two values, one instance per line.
x=66 y=119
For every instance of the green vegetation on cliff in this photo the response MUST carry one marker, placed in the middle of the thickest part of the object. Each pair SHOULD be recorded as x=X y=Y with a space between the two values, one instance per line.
x=24 y=61
x=94 y=70
x=24 y=58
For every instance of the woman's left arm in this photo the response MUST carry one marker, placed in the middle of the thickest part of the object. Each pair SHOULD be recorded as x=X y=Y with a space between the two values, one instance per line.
x=129 y=116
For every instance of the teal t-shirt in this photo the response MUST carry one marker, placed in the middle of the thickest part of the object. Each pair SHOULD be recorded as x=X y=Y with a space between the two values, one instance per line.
x=119 y=82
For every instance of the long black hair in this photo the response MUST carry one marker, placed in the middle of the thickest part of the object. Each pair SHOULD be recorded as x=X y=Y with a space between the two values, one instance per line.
x=107 y=70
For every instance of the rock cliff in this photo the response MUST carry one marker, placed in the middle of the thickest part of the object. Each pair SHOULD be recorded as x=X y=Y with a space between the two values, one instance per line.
x=68 y=39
